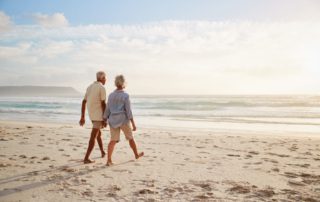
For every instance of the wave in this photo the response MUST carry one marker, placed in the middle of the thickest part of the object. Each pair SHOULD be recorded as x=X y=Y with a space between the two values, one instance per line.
x=39 y=111
x=216 y=108
x=252 y=121
x=203 y=104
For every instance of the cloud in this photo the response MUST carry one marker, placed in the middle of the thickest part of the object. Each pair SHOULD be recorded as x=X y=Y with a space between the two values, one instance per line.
x=5 y=22
x=54 y=20
x=183 y=57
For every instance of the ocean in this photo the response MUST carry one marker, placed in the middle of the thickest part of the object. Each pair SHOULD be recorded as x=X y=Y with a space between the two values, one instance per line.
x=298 y=113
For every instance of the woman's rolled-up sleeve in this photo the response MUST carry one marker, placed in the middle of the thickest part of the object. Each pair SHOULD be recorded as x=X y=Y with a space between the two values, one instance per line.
x=127 y=106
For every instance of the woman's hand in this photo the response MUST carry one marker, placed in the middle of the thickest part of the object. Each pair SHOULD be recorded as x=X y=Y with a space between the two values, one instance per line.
x=134 y=128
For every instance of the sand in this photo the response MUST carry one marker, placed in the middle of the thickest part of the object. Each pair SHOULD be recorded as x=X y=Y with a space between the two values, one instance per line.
x=43 y=162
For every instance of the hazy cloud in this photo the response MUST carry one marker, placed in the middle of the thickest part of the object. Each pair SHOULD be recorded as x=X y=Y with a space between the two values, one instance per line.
x=184 y=57
x=54 y=20
x=5 y=22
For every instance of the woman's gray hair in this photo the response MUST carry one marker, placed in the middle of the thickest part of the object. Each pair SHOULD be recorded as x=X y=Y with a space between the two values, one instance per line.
x=100 y=75
x=120 y=81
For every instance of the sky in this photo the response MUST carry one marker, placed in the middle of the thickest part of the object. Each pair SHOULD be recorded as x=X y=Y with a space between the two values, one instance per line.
x=164 y=47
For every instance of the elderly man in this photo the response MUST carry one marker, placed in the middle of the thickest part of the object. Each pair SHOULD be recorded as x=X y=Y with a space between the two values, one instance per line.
x=95 y=98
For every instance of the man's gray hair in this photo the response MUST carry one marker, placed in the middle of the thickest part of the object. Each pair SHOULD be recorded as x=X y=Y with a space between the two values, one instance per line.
x=100 y=75
x=120 y=81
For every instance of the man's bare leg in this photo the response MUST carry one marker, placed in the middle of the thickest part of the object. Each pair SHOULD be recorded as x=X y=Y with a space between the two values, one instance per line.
x=99 y=140
x=134 y=148
x=92 y=140
x=111 y=145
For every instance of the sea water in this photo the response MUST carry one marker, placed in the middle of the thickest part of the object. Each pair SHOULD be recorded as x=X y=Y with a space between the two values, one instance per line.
x=296 y=113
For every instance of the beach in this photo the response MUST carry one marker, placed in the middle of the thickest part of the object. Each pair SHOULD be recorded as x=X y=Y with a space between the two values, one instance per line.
x=43 y=162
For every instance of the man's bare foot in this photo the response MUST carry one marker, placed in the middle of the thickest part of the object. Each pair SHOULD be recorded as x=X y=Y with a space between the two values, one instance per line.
x=87 y=161
x=140 y=155
x=109 y=163
x=103 y=154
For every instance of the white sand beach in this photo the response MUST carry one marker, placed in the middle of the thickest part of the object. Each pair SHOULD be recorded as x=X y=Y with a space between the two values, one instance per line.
x=43 y=162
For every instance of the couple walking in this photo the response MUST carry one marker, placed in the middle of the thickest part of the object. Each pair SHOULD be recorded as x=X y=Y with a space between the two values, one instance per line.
x=117 y=112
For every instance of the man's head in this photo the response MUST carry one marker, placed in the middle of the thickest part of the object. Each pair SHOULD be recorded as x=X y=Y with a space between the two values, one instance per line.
x=119 y=82
x=101 y=77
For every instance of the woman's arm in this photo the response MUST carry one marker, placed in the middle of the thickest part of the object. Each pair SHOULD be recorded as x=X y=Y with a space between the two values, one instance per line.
x=127 y=106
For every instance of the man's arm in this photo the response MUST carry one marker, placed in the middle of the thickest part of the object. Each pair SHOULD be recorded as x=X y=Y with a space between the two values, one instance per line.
x=103 y=105
x=83 y=110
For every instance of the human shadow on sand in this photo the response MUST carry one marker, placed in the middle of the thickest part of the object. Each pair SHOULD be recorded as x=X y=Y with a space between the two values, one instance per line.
x=46 y=172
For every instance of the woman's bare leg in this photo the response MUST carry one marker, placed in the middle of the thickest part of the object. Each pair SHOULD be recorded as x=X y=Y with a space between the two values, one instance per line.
x=134 y=148
x=110 y=151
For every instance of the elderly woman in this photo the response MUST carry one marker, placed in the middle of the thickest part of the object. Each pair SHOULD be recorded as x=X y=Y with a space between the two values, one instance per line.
x=119 y=115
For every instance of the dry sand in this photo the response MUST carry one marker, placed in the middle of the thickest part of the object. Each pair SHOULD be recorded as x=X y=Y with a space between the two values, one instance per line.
x=43 y=162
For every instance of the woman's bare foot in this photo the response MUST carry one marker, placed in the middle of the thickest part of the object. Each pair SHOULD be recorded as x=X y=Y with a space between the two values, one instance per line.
x=87 y=161
x=103 y=154
x=109 y=163
x=140 y=155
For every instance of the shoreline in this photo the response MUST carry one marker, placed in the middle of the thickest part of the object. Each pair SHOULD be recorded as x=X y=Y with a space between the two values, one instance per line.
x=179 y=130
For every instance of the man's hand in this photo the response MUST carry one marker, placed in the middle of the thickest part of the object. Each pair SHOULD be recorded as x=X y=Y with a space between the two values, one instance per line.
x=105 y=124
x=82 y=121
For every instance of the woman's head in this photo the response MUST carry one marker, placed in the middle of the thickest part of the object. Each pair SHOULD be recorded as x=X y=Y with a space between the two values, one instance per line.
x=120 y=81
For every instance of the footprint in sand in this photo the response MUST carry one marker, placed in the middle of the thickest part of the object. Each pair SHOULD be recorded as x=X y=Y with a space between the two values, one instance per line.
x=3 y=165
x=204 y=196
x=270 y=160
x=279 y=155
x=23 y=156
x=169 y=190
x=146 y=191
x=306 y=165
x=253 y=152
x=69 y=170
x=233 y=155
x=296 y=182
x=265 y=193
x=240 y=189
x=205 y=186
x=88 y=193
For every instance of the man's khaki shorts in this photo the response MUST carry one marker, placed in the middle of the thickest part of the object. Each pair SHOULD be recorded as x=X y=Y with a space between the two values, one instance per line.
x=97 y=124
x=126 y=129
